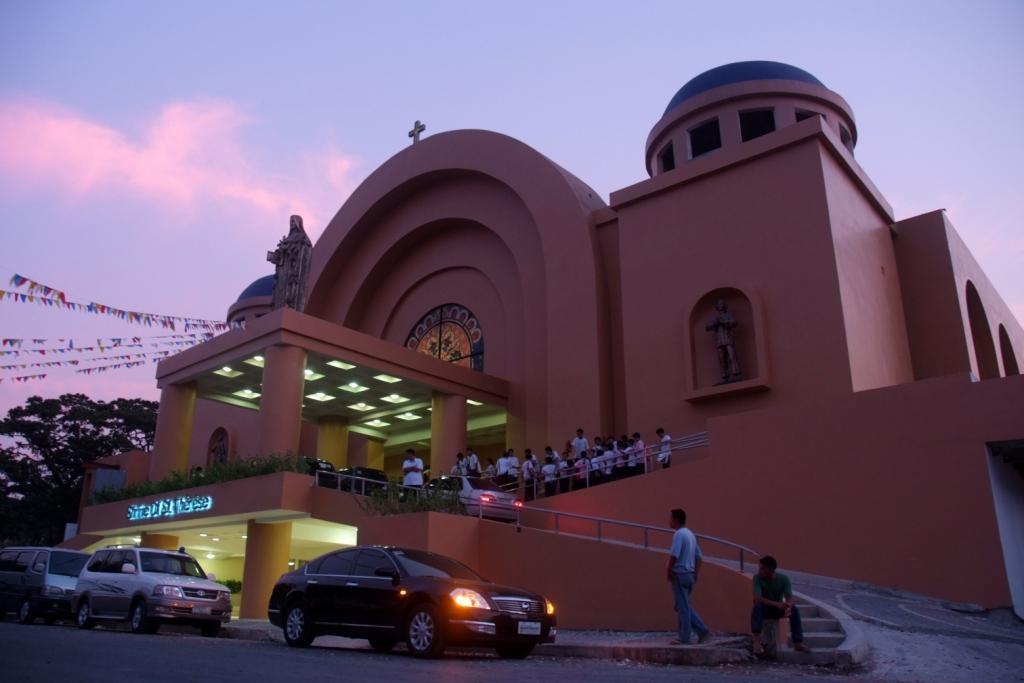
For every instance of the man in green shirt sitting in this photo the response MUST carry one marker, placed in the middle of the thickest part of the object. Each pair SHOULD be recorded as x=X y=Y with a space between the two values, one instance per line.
x=773 y=599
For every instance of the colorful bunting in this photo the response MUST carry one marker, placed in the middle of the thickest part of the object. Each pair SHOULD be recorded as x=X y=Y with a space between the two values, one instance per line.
x=23 y=378
x=115 y=366
x=51 y=297
x=101 y=349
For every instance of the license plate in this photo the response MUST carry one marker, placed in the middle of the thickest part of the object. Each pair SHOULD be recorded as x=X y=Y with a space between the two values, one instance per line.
x=201 y=610
x=529 y=628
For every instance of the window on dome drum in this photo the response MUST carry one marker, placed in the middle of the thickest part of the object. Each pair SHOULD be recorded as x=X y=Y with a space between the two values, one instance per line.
x=845 y=137
x=666 y=158
x=704 y=138
x=754 y=124
x=803 y=115
x=452 y=333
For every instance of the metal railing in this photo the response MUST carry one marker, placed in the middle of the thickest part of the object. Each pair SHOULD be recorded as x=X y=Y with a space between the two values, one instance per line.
x=600 y=525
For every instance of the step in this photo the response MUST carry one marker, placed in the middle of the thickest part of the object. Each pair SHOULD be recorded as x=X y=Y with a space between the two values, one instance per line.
x=818 y=624
x=809 y=611
x=823 y=640
x=819 y=656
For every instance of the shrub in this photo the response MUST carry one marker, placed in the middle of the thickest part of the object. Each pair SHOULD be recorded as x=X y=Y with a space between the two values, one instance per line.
x=216 y=474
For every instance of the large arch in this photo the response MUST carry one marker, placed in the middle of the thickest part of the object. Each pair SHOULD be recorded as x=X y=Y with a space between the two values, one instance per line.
x=479 y=219
x=1010 y=366
x=981 y=335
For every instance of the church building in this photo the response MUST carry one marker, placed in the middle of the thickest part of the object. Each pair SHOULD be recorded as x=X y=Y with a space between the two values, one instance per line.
x=852 y=382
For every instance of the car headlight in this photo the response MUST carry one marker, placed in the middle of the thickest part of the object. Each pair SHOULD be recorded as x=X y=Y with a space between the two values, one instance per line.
x=53 y=592
x=550 y=607
x=464 y=597
x=168 y=592
x=224 y=595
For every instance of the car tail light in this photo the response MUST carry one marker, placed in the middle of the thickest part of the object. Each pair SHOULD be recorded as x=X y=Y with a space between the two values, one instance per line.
x=517 y=504
x=486 y=498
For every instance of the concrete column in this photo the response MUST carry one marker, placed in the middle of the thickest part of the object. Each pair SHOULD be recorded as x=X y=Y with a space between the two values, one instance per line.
x=375 y=454
x=173 y=430
x=159 y=541
x=332 y=440
x=281 y=399
x=266 y=557
x=447 y=431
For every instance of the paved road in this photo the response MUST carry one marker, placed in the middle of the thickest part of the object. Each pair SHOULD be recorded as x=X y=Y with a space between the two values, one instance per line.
x=63 y=653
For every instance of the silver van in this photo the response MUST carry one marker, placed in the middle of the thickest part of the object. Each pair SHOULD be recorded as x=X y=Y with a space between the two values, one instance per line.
x=147 y=587
x=38 y=582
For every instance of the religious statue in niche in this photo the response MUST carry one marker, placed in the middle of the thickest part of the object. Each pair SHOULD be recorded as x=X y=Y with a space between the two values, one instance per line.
x=722 y=324
x=291 y=259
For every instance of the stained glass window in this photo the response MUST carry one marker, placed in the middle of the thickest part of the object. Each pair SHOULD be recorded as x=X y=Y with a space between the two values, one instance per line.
x=452 y=333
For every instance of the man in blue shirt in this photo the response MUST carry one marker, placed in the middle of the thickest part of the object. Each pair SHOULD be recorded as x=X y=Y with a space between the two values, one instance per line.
x=683 y=570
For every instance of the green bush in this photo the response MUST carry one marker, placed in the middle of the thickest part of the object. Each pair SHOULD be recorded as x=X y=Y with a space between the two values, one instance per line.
x=395 y=501
x=233 y=585
x=216 y=474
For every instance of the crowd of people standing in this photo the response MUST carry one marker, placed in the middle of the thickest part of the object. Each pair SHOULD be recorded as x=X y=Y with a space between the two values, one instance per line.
x=580 y=464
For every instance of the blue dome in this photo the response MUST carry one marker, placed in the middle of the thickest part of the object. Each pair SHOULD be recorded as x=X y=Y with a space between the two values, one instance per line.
x=262 y=287
x=737 y=72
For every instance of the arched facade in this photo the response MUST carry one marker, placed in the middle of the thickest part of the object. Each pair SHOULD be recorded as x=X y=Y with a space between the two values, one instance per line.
x=497 y=228
x=981 y=335
x=1010 y=366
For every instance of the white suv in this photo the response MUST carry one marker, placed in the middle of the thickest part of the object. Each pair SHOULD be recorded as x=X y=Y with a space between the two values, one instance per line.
x=148 y=587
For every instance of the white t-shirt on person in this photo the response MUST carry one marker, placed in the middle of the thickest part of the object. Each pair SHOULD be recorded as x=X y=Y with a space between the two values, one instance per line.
x=502 y=465
x=415 y=477
x=580 y=444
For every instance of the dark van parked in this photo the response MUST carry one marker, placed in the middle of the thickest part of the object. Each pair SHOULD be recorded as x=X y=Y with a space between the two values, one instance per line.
x=388 y=595
x=38 y=582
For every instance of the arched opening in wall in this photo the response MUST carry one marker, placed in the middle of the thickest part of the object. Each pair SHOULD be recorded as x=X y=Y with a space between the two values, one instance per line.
x=1010 y=366
x=981 y=335
x=723 y=339
x=218 y=450
x=451 y=333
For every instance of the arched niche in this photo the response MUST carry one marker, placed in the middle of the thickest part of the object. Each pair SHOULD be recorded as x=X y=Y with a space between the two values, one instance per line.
x=748 y=335
x=1010 y=366
x=981 y=335
x=219 y=447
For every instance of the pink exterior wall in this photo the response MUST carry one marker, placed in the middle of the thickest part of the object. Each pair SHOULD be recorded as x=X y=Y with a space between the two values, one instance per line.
x=242 y=425
x=827 y=487
x=869 y=286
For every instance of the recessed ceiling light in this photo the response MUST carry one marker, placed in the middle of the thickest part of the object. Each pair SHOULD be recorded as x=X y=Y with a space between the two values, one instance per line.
x=394 y=398
x=473 y=403
x=363 y=407
x=353 y=387
x=210 y=556
x=246 y=393
x=255 y=360
x=203 y=535
x=311 y=375
x=244 y=537
x=408 y=416
x=291 y=563
x=320 y=396
x=341 y=365
x=378 y=423
x=386 y=378
x=136 y=539
x=227 y=371
x=214 y=539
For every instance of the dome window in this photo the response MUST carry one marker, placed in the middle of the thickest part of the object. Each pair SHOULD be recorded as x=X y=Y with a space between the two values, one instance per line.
x=704 y=138
x=755 y=123
x=804 y=114
x=845 y=137
x=666 y=158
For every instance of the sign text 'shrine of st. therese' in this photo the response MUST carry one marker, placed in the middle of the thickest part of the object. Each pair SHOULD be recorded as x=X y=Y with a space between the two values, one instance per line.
x=169 y=507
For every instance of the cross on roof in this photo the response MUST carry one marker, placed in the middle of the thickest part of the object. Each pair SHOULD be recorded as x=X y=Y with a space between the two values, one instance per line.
x=417 y=128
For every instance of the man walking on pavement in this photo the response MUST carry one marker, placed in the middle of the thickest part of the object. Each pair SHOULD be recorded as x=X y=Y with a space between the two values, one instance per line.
x=682 y=572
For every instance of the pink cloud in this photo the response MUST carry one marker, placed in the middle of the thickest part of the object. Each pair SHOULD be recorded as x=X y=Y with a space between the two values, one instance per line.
x=189 y=155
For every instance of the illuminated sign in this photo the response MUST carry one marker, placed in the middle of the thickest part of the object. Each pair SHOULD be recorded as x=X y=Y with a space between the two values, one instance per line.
x=169 y=507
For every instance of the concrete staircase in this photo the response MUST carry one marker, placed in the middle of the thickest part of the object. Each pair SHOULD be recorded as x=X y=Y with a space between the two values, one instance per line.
x=831 y=635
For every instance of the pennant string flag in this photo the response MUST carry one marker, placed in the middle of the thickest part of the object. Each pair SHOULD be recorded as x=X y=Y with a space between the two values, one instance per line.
x=99 y=348
x=155 y=355
x=51 y=297
x=23 y=378
x=101 y=341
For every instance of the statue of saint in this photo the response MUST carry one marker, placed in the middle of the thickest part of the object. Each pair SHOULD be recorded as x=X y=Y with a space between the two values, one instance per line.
x=722 y=324
x=292 y=260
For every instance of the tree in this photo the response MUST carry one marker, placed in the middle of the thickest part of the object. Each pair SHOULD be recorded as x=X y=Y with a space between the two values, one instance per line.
x=46 y=443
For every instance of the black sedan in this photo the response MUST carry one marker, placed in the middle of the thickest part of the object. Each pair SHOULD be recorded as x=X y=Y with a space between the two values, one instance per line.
x=429 y=601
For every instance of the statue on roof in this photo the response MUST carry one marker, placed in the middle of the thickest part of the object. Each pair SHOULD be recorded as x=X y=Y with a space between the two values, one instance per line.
x=291 y=259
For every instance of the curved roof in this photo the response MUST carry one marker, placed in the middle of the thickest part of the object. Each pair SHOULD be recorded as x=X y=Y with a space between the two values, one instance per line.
x=737 y=72
x=264 y=286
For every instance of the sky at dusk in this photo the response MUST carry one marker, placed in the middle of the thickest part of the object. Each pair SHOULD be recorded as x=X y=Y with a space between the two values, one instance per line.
x=152 y=152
